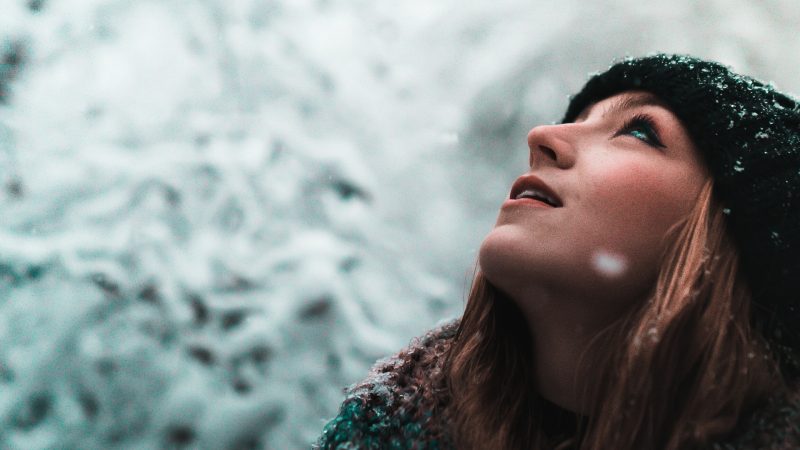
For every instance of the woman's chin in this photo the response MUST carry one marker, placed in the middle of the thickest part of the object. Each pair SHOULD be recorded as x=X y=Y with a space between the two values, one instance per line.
x=501 y=260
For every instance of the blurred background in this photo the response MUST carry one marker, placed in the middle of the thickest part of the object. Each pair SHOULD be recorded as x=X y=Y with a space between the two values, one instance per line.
x=215 y=215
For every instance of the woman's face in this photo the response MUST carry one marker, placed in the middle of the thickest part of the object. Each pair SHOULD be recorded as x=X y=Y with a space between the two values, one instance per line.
x=622 y=174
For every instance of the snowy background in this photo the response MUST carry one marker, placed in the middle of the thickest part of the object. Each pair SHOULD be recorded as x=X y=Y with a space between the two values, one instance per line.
x=217 y=214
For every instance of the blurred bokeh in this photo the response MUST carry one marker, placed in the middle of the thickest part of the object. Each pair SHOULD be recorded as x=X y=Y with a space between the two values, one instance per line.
x=218 y=214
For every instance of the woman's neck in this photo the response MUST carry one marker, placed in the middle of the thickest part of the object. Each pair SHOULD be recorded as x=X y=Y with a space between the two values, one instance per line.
x=558 y=354
x=562 y=332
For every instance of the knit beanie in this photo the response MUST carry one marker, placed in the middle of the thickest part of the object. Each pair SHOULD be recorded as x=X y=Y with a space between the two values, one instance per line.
x=749 y=136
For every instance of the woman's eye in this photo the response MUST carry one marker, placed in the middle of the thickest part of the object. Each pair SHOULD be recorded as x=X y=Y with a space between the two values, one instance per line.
x=642 y=128
x=639 y=133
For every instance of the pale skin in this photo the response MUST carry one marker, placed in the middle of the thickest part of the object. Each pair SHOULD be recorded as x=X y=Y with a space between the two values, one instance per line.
x=626 y=171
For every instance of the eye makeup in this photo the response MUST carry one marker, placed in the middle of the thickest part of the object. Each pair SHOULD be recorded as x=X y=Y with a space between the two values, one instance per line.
x=642 y=127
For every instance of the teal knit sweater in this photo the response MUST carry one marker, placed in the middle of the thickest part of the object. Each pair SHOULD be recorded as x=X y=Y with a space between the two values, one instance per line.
x=403 y=404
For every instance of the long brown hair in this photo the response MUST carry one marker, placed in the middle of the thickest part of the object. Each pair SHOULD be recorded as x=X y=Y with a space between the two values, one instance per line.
x=688 y=369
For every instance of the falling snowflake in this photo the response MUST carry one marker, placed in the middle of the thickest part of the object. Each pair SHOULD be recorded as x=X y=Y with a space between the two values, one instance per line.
x=609 y=264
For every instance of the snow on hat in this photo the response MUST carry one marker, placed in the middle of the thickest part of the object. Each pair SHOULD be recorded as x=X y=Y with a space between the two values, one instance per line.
x=749 y=137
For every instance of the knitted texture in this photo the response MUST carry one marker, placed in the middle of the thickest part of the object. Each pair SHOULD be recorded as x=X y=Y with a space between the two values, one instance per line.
x=749 y=137
x=403 y=404
x=776 y=426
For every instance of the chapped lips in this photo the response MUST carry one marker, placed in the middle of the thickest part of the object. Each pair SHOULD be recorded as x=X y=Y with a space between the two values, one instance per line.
x=534 y=183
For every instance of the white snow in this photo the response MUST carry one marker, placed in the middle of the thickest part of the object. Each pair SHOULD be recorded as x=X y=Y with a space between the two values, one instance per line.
x=609 y=264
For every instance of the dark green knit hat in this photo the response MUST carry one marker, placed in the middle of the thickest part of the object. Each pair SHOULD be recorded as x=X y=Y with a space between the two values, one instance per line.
x=749 y=136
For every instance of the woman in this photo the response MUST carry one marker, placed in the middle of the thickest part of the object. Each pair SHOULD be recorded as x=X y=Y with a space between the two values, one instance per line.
x=639 y=290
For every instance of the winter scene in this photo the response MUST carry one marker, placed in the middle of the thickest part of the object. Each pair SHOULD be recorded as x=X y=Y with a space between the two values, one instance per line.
x=218 y=215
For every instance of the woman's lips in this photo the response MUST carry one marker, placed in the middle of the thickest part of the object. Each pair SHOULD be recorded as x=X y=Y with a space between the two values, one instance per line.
x=526 y=202
x=531 y=182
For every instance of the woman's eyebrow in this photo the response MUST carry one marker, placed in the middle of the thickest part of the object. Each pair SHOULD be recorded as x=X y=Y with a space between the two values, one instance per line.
x=624 y=103
x=633 y=101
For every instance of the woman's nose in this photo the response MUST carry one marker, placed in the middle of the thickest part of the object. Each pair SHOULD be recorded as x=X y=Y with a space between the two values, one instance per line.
x=551 y=145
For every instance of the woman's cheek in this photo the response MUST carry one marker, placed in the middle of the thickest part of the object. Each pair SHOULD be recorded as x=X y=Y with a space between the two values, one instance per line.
x=642 y=193
x=634 y=205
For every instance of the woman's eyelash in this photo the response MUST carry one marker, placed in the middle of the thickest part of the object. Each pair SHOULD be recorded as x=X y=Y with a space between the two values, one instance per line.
x=646 y=126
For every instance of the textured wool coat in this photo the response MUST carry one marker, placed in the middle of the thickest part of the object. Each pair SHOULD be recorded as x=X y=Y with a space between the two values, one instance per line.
x=403 y=404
